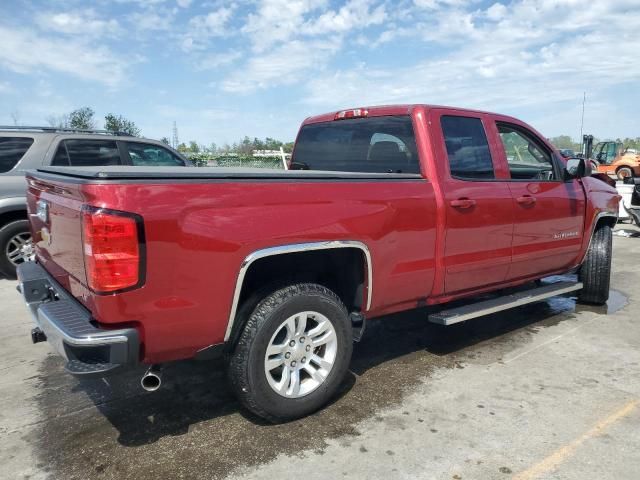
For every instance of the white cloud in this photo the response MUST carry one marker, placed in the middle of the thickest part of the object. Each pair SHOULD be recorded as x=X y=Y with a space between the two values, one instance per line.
x=203 y=27
x=217 y=60
x=183 y=3
x=284 y=65
x=278 y=21
x=85 y=23
x=354 y=15
x=496 y=12
x=24 y=51
x=151 y=20
x=5 y=87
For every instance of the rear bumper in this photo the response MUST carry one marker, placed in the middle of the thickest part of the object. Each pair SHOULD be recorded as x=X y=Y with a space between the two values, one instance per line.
x=70 y=329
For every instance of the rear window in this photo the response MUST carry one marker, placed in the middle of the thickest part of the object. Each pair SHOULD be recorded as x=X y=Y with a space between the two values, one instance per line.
x=87 y=153
x=370 y=145
x=12 y=149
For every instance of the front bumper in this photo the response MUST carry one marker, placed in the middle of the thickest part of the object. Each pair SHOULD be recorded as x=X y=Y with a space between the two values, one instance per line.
x=90 y=351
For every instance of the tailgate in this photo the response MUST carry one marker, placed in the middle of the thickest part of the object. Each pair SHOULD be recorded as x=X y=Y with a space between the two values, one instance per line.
x=54 y=207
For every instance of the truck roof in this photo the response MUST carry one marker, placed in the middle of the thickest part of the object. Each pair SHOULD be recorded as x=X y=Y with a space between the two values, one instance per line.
x=383 y=110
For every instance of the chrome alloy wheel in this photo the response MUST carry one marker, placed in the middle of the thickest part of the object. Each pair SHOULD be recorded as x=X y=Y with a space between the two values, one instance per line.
x=301 y=354
x=19 y=249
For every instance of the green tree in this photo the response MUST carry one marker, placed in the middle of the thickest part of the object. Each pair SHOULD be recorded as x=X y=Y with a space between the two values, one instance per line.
x=288 y=147
x=117 y=123
x=193 y=147
x=82 y=119
x=165 y=140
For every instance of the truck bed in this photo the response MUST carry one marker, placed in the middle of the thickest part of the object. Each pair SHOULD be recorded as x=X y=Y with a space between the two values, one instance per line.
x=119 y=172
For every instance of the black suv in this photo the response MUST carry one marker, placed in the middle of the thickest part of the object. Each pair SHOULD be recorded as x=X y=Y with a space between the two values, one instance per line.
x=25 y=148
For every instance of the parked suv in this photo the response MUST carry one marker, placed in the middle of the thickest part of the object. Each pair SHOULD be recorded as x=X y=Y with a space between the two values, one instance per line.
x=24 y=148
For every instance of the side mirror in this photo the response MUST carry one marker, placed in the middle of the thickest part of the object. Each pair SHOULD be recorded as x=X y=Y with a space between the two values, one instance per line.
x=576 y=168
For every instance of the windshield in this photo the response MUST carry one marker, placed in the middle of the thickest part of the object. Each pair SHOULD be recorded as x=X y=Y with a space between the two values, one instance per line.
x=370 y=145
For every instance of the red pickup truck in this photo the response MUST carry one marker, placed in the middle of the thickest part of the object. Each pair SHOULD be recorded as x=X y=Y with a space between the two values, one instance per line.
x=383 y=209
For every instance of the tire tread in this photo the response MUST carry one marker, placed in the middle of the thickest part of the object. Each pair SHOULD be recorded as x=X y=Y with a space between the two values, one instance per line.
x=238 y=362
x=595 y=272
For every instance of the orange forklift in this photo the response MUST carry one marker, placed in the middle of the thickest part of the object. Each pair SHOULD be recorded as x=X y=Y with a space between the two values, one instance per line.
x=611 y=158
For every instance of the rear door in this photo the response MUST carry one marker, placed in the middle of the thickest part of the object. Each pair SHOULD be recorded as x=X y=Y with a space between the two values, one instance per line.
x=479 y=211
x=549 y=212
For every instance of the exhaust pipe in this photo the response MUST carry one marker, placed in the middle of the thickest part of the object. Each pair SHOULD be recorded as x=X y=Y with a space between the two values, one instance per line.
x=151 y=380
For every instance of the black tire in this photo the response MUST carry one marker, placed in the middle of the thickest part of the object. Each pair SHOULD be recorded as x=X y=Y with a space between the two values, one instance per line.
x=7 y=232
x=595 y=272
x=246 y=368
x=624 y=172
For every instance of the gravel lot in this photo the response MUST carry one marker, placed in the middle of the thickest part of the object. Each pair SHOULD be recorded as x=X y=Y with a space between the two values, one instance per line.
x=550 y=390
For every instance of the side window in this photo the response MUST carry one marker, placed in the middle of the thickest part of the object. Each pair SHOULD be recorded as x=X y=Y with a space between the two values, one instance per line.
x=467 y=148
x=87 y=153
x=61 y=158
x=12 y=149
x=144 y=154
x=526 y=158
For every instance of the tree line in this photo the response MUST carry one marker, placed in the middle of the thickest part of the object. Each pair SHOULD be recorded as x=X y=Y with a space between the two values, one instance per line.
x=84 y=118
x=242 y=147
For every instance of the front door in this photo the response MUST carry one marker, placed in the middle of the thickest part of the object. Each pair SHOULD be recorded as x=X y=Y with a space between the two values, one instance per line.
x=548 y=212
x=479 y=212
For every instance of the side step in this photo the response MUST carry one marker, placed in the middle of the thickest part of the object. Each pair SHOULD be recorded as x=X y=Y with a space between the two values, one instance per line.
x=486 y=307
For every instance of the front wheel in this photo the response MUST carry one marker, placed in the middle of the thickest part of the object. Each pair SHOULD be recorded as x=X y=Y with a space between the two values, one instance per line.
x=624 y=172
x=595 y=272
x=293 y=353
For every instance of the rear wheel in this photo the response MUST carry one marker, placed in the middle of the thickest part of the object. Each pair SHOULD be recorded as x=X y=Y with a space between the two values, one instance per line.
x=624 y=172
x=15 y=246
x=293 y=353
x=595 y=272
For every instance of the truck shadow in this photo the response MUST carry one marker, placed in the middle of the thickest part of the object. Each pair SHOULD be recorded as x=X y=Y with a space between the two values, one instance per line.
x=195 y=405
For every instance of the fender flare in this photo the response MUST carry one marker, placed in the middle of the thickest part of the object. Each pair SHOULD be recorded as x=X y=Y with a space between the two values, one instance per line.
x=295 y=248
x=598 y=216
x=13 y=204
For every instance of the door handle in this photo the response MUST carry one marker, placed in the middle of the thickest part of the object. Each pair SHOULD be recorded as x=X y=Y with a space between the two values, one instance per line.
x=462 y=203
x=526 y=200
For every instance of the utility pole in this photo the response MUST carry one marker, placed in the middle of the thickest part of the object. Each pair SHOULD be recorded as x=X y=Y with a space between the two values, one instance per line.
x=174 y=136
x=584 y=99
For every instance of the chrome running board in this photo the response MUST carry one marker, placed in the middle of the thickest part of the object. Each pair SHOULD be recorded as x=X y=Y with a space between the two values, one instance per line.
x=487 y=307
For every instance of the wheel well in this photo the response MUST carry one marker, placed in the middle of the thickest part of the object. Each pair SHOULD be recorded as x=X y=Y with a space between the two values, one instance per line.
x=342 y=270
x=610 y=221
x=8 y=217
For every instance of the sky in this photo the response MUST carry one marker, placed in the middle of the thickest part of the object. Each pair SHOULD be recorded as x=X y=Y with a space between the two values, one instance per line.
x=225 y=69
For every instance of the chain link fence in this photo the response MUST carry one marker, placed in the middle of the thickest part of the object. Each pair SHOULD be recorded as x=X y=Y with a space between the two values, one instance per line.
x=243 y=161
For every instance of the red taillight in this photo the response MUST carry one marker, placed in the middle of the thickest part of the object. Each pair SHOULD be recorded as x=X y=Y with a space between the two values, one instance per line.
x=355 y=113
x=111 y=250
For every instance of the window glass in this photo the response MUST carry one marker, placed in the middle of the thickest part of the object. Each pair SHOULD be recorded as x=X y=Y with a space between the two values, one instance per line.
x=527 y=160
x=371 y=145
x=87 y=153
x=144 y=154
x=12 y=149
x=61 y=159
x=467 y=148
